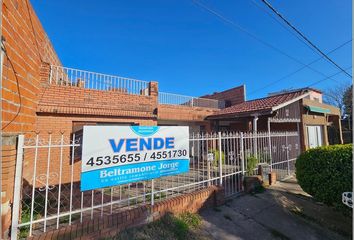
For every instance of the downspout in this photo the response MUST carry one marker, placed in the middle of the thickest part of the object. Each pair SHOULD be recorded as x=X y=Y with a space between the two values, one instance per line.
x=255 y=119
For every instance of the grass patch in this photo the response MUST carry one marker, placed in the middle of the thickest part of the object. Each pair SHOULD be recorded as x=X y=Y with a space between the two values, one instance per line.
x=191 y=219
x=170 y=227
x=38 y=210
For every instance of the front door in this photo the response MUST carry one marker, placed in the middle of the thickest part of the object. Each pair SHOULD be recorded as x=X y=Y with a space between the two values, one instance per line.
x=314 y=134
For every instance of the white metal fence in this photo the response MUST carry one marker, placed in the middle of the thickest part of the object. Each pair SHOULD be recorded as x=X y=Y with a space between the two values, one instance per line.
x=47 y=184
x=183 y=100
x=79 y=78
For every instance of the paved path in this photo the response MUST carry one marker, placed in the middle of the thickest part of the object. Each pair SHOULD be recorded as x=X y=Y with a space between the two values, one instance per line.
x=281 y=212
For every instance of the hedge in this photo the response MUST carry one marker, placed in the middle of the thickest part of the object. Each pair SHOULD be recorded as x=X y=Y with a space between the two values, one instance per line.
x=326 y=172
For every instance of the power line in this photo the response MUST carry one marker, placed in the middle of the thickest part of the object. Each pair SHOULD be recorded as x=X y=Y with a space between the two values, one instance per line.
x=240 y=28
x=298 y=70
x=304 y=37
x=317 y=82
x=281 y=24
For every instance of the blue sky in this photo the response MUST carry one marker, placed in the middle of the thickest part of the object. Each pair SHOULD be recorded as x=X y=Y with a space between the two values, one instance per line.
x=190 y=51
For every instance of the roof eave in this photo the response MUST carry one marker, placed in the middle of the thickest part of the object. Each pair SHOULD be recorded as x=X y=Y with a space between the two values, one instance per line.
x=290 y=101
x=240 y=115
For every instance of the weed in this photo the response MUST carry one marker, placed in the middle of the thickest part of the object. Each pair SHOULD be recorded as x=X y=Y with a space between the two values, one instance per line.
x=178 y=227
x=191 y=219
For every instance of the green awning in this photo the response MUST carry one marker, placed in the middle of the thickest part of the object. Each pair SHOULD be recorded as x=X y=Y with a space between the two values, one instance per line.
x=318 y=109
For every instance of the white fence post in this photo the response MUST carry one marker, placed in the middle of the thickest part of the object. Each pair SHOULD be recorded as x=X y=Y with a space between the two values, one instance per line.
x=220 y=159
x=287 y=152
x=242 y=155
x=152 y=192
x=270 y=150
x=17 y=187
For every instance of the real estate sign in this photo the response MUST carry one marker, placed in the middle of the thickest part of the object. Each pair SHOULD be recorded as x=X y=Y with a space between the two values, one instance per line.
x=115 y=155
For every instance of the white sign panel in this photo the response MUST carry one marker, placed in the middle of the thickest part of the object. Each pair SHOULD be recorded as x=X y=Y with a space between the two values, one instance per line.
x=114 y=155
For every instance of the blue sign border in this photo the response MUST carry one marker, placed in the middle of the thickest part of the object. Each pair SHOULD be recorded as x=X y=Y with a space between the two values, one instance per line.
x=130 y=173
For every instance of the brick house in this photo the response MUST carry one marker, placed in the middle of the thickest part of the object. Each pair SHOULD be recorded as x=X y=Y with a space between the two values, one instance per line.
x=41 y=96
x=297 y=110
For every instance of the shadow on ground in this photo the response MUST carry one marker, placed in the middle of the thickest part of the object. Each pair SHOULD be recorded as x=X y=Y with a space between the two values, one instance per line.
x=283 y=211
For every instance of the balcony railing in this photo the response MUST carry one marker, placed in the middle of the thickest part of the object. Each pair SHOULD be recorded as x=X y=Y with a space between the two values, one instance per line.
x=64 y=76
x=73 y=77
x=182 y=100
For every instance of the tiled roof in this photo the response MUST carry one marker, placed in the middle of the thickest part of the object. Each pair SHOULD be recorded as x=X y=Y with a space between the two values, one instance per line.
x=261 y=104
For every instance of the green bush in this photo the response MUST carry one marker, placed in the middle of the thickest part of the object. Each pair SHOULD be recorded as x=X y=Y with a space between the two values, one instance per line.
x=216 y=157
x=252 y=162
x=326 y=172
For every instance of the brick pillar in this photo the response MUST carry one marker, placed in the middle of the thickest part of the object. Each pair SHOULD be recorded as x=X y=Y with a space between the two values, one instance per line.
x=154 y=93
x=153 y=89
x=8 y=162
x=44 y=74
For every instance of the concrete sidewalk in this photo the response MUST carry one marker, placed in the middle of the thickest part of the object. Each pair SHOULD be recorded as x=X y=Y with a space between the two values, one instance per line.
x=283 y=211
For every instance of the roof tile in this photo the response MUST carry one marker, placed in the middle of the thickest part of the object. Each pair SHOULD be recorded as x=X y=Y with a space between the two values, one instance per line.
x=261 y=104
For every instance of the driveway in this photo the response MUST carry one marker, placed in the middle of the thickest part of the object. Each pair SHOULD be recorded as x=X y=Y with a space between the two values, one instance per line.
x=283 y=211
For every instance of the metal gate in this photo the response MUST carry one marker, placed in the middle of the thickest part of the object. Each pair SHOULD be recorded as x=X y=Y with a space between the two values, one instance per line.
x=47 y=183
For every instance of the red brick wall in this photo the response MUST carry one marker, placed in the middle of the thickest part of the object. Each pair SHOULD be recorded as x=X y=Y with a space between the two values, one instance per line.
x=234 y=95
x=76 y=100
x=110 y=226
x=184 y=113
x=27 y=46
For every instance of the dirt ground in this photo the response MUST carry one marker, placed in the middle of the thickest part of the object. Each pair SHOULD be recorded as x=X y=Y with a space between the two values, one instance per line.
x=282 y=211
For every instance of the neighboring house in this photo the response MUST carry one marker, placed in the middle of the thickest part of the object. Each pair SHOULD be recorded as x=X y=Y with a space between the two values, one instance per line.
x=347 y=130
x=297 y=110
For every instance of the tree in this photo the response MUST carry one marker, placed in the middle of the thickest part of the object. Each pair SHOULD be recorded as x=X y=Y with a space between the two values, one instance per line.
x=348 y=101
x=335 y=96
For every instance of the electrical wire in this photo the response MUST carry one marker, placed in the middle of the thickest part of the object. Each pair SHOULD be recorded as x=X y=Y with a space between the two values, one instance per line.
x=18 y=89
x=319 y=81
x=13 y=68
x=255 y=37
x=304 y=37
x=281 y=24
x=298 y=70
